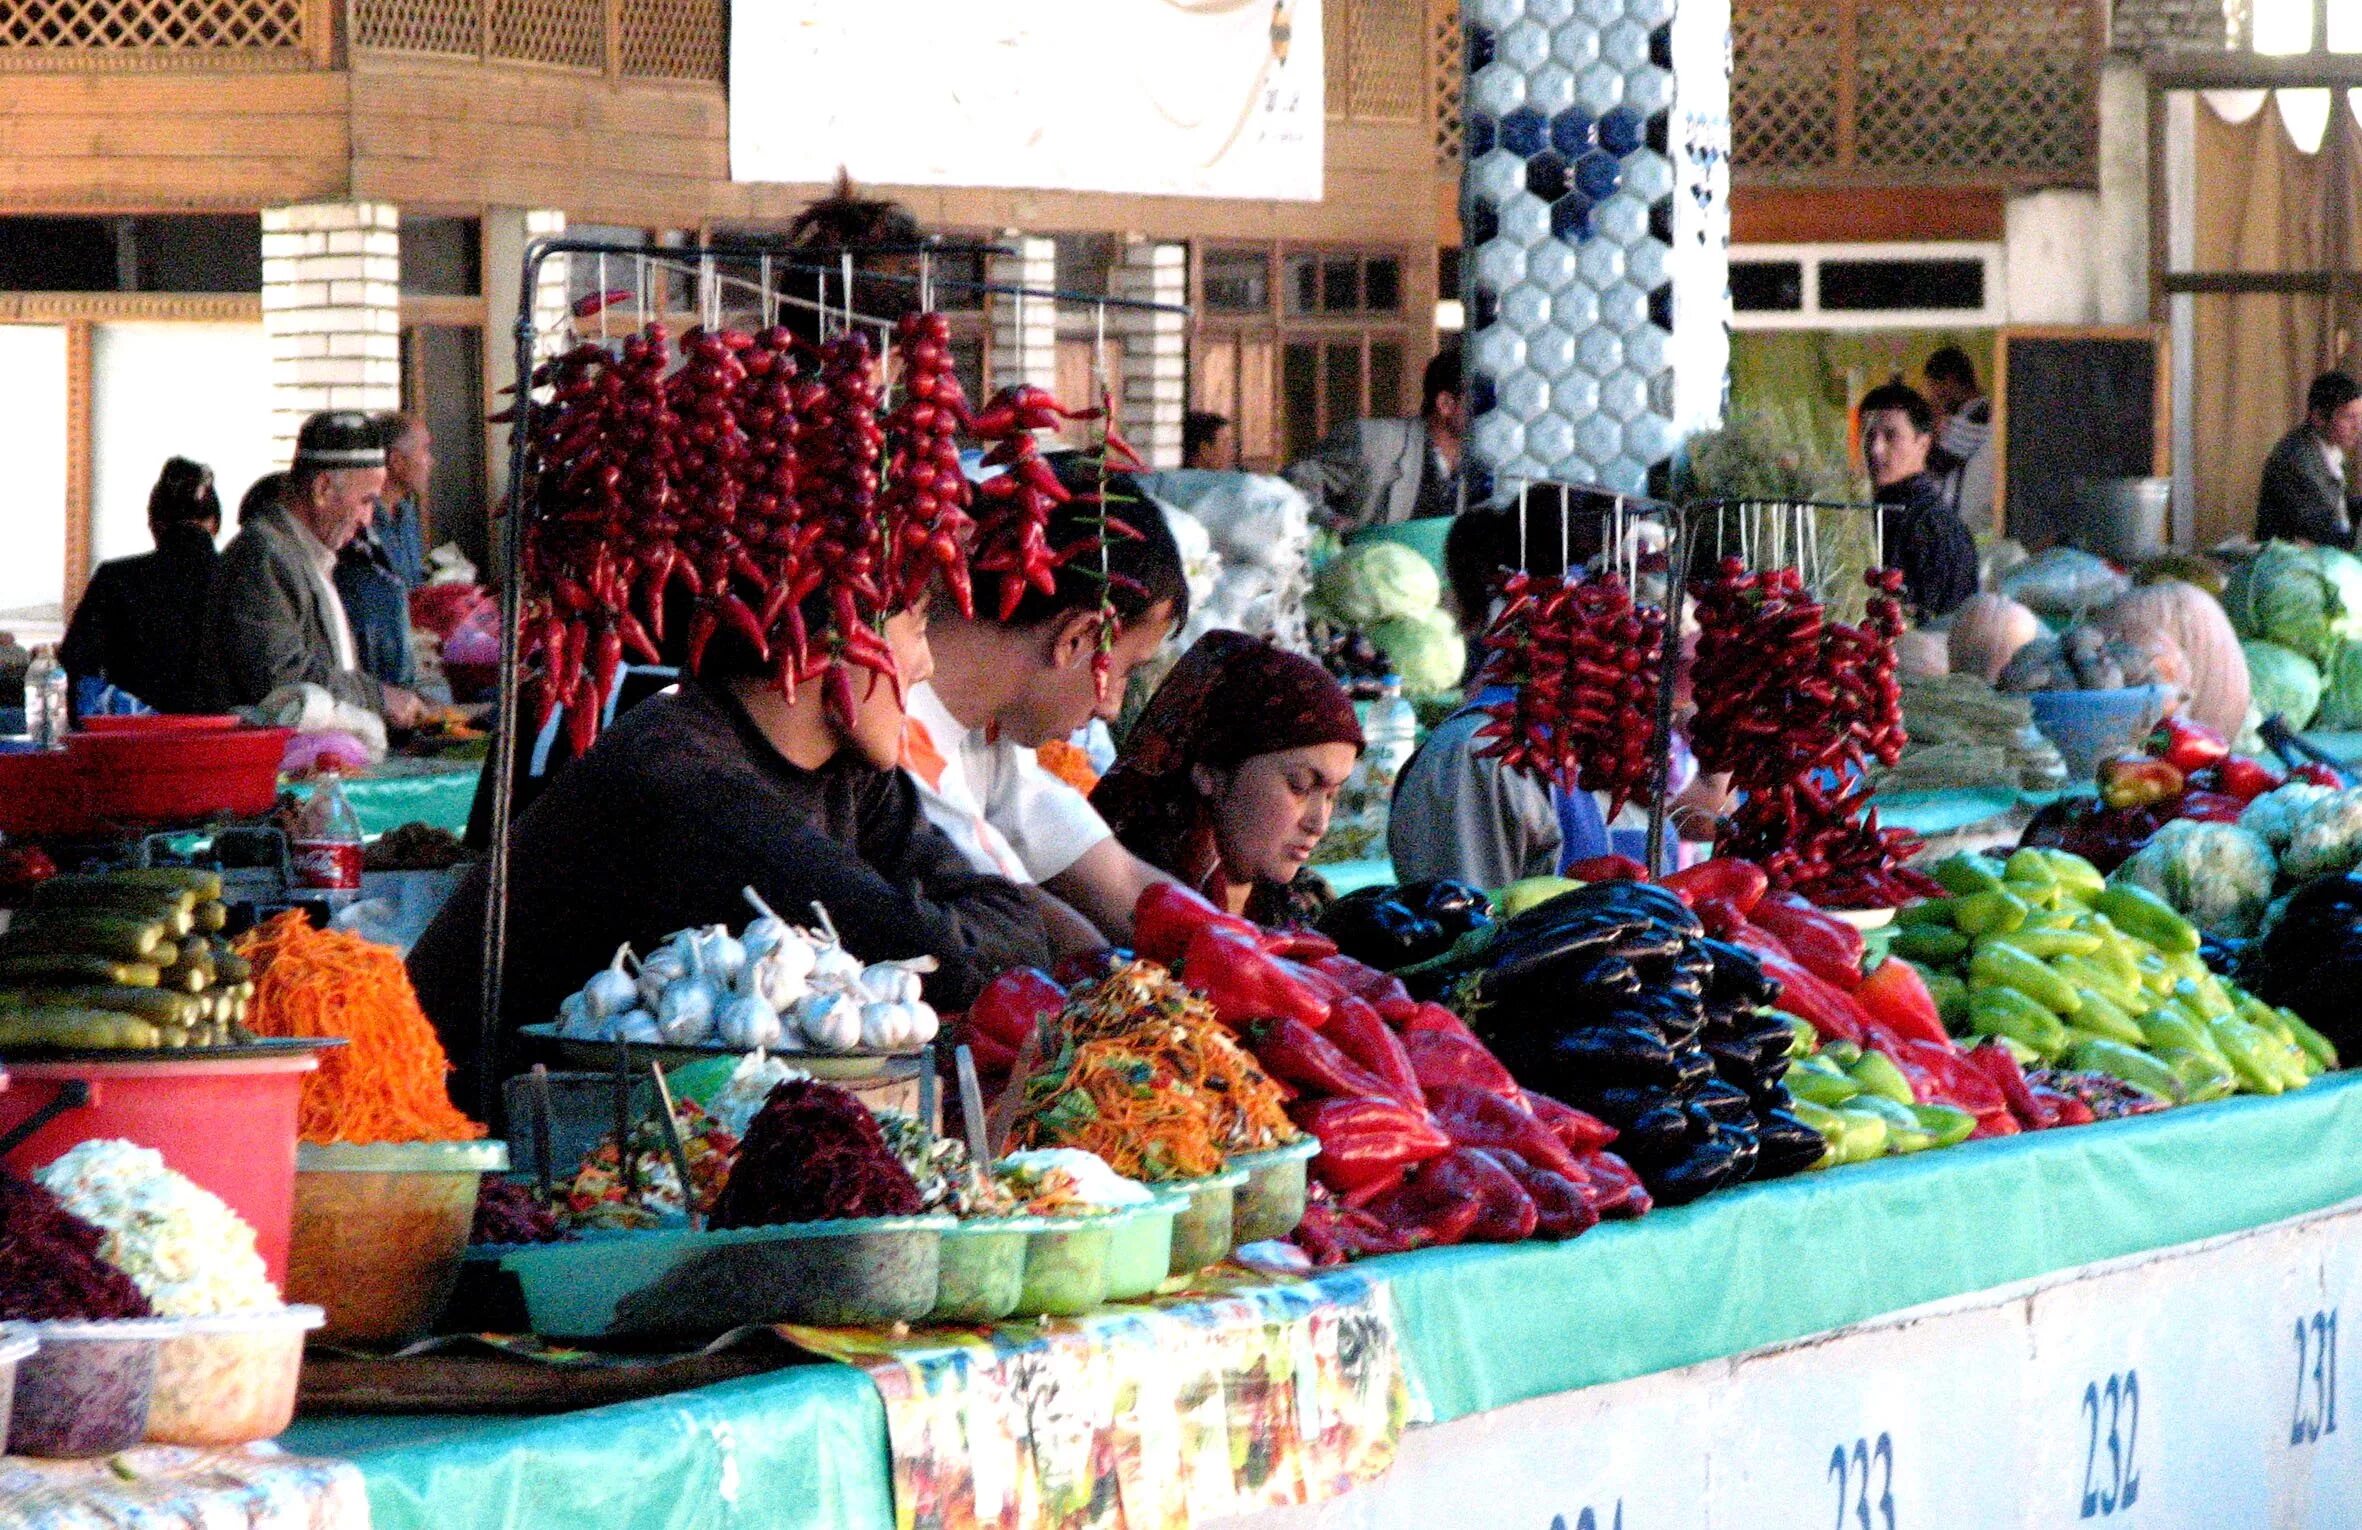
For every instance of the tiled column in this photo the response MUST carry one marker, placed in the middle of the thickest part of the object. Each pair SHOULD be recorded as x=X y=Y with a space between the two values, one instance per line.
x=1154 y=365
x=1024 y=339
x=331 y=305
x=1597 y=197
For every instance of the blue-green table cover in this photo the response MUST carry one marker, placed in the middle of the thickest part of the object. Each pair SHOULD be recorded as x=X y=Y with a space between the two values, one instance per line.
x=437 y=792
x=1481 y=1327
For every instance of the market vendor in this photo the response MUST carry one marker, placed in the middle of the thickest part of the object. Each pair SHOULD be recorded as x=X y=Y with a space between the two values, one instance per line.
x=1004 y=689
x=1462 y=814
x=1229 y=777
x=274 y=616
x=696 y=794
x=2304 y=494
x=136 y=626
x=1924 y=535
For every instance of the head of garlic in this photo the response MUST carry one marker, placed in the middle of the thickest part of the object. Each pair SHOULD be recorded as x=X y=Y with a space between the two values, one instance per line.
x=636 y=1026
x=665 y=966
x=890 y=983
x=747 y=1022
x=612 y=990
x=830 y=1022
x=723 y=955
x=685 y=1012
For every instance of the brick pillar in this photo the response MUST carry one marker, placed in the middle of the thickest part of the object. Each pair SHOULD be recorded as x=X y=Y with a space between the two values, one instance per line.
x=507 y=231
x=1024 y=337
x=331 y=305
x=1154 y=365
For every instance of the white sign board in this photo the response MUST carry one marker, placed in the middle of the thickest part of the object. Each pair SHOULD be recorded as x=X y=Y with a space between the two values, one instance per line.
x=2193 y=1389
x=1201 y=98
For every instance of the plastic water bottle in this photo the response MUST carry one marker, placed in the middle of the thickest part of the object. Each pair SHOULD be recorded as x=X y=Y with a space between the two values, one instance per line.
x=1392 y=733
x=326 y=849
x=47 y=715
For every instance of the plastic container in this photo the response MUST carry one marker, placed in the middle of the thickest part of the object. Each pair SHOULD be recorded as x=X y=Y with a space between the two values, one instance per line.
x=379 y=1232
x=164 y=722
x=85 y=1391
x=982 y=1274
x=2089 y=726
x=162 y=775
x=1201 y=1234
x=1142 y=1255
x=1271 y=1202
x=1066 y=1266
x=15 y=1348
x=41 y=793
x=681 y=1284
x=229 y=1379
x=226 y=1122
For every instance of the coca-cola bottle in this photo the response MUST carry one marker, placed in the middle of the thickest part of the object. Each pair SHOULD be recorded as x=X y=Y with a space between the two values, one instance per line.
x=327 y=845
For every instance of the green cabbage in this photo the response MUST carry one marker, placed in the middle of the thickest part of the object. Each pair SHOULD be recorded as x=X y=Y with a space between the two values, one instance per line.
x=2283 y=683
x=1426 y=650
x=2341 y=686
x=1372 y=581
x=2218 y=874
x=2282 y=596
x=2344 y=572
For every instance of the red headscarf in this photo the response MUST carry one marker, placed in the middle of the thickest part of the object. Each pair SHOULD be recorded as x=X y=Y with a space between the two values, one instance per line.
x=1231 y=697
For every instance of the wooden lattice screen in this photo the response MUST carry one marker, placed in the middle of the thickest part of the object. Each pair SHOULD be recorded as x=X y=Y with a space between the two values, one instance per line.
x=1376 y=59
x=1992 y=92
x=1447 y=79
x=151 y=26
x=655 y=39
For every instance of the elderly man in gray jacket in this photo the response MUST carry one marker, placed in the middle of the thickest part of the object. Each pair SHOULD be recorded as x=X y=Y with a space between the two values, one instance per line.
x=274 y=617
x=1384 y=472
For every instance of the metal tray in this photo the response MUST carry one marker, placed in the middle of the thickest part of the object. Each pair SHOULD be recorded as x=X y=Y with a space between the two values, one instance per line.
x=836 y=1067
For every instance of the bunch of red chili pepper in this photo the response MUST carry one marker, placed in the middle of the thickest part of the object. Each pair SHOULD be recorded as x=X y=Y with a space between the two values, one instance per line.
x=755 y=475
x=1794 y=705
x=1583 y=662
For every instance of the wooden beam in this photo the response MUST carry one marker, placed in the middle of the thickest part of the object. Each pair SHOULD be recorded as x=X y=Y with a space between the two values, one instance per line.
x=2264 y=283
x=2253 y=71
x=1865 y=215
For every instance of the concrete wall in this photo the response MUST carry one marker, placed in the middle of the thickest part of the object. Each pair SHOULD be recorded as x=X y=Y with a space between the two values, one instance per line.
x=2082 y=257
x=2144 y=26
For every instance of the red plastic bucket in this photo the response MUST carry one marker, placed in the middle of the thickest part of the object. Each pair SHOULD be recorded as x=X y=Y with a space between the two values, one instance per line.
x=164 y=722
x=41 y=793
x=173 y=774
x=226 y=1122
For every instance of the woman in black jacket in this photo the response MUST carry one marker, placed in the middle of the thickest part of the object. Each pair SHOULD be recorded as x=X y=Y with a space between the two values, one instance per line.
x=135 y=627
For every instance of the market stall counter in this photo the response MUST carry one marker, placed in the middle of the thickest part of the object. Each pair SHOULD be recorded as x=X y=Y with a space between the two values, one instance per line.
x=1481 y=1329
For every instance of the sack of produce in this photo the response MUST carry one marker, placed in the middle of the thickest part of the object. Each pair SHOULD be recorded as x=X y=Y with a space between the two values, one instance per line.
x=2064 y=582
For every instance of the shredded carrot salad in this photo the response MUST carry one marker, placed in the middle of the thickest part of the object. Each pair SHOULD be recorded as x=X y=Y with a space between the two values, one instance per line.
x=1139 y=1072
x=387 y=1083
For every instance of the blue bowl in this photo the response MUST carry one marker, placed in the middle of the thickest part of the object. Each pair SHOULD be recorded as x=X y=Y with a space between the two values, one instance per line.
x=2089 y=726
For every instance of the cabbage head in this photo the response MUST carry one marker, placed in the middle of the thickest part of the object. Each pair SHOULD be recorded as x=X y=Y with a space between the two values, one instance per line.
x=2344 y=572
x=1371 y=581
x=2282 y=596
x=2341 y=686
x=2283 y=682
x=2219 y=875
x=1426 y=650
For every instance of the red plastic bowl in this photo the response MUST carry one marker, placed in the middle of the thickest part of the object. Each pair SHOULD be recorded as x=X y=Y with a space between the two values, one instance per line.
x=41 y=793
x=160 y=776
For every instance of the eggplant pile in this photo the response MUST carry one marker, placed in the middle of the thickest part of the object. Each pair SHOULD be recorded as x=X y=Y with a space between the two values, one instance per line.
x=1613 y=999
x=1390 y=927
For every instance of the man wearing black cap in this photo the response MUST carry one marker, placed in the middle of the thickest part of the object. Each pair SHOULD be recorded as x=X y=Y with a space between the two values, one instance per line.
x=274 y=616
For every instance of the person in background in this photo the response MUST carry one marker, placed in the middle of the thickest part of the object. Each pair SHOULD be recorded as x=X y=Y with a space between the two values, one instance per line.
x=274 y=616
x=1205 y=442
x=697 y=793
x=2305 y=494
x=1229 y=777
x=260 y=495
x=1002 y=690
x=1924 y=537
x=399 y=526
x=136 y=626
x=1384 y=472
x=1963 y=457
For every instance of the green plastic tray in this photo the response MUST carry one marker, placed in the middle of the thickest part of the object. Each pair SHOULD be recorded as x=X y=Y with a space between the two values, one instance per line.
x=696 y=1284
x=982 y=1275
x=1271 y=1202
x=1143 y=1253
x=1201 y=1234
x=1066 y=1266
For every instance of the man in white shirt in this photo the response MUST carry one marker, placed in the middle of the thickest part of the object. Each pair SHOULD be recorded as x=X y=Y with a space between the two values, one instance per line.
x=1001 y=690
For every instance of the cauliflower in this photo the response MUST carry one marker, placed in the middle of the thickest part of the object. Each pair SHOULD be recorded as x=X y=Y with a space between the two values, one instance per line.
x=2325 y=836
x=2216 y=873
x=2272 y=816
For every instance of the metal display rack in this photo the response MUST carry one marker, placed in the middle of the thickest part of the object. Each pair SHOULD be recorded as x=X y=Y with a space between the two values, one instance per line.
x=730 y=282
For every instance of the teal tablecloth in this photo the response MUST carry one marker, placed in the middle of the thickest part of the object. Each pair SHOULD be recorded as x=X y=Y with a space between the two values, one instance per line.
x=1481 y=1327
x=400 y=791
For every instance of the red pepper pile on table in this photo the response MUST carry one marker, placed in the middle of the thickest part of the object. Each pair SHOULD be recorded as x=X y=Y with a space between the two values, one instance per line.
x=750 y=479
x=1425 y=1138
x=1788 y=701
x=1584 y=662
x=1818 y=960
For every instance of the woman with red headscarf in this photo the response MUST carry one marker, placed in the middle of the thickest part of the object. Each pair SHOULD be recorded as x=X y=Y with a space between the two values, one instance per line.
x=1229 y=777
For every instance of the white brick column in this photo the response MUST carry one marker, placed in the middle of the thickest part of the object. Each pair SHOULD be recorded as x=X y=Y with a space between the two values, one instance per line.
x=1023 y=341
x=1154 y=364
x=331 y=305
x=507 y=231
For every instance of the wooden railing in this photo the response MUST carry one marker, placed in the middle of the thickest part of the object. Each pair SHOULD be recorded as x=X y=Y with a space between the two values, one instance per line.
x=637 y=39
x=133 y=34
